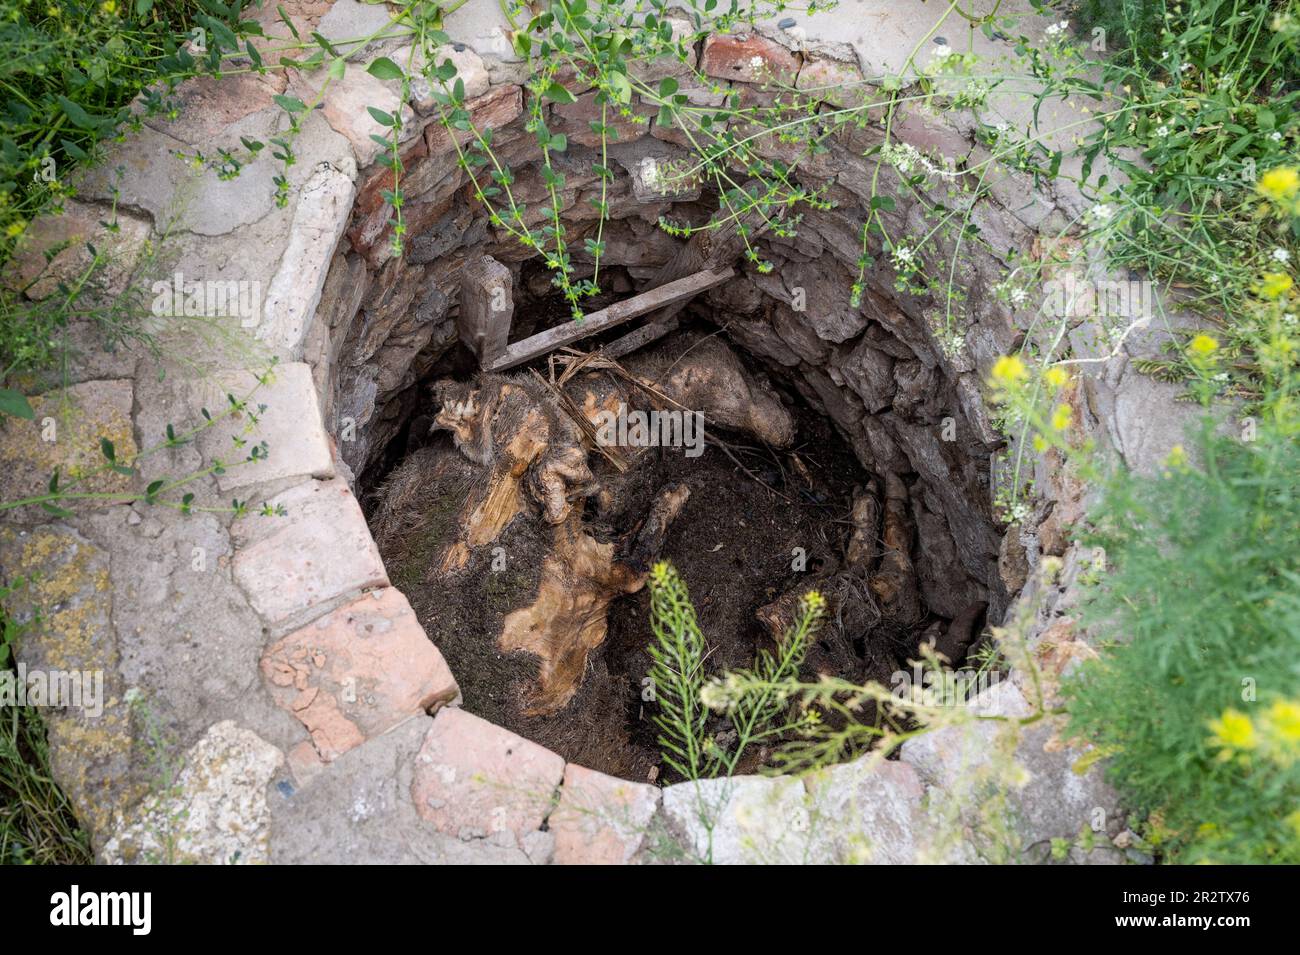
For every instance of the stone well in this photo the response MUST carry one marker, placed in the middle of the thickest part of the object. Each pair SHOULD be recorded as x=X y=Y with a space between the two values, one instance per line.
x=266 y=669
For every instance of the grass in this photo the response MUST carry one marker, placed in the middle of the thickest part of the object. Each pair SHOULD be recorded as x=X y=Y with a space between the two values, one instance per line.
x=1202 y=109
x=37 y=825
x=73 y=70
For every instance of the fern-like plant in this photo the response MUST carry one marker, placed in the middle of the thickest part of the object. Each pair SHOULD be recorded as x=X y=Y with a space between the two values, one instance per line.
x=677 y=674
x=685 y=696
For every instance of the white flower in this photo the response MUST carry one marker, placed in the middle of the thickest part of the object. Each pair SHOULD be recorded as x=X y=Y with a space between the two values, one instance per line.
x=1056 y=29
x=942 y=51
x=1002 y=127
x=903 y=255
x=902 y=156
x=1162 y=131
x=1276 y=136
x=1018 y=296
x=1101 y=212
x=1281 y=255
x=756 y=64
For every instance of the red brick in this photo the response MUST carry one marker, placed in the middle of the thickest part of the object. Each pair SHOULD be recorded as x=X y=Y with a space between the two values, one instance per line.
x=358 y=671
x=473 y=778
x=750 y=59
x=600 y=820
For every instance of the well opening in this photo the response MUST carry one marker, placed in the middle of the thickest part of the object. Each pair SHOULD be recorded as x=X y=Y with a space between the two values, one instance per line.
x=838 y=453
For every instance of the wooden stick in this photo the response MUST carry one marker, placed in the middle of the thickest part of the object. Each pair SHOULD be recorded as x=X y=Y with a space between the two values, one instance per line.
x=543 y=342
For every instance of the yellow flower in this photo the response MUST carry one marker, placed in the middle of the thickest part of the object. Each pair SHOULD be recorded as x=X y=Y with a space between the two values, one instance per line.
x=1040 y=443
x=1008 y=370
x=14 y=230
x=1275 y=284
x=1233 y=730
x=1280 y=183
x=1293 y=820
x=1284 y=720
x=1204 y=345
x=1177 y=457
x=1056 y=376
x=1061 y=417
x=109 y=7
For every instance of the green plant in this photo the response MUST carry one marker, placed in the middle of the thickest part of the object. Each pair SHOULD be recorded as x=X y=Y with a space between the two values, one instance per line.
x=1213 y=86
x=684 y=693
x=168 y=491
x=77 y=74
x=37 y=825
x=71 y=71
x=1194 y=696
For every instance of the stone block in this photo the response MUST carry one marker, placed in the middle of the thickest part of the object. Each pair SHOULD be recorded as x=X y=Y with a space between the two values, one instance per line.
x=601 y=820
x=358 y=671
x=320 y=551
x=474 y=780
x=290 y=425
x=66 y=433
x=749 y=59
x=119 y=237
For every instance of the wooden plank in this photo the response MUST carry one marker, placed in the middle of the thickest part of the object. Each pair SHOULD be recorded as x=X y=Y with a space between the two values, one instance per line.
x=640 y=337
x=486 y=308
x=661 y=297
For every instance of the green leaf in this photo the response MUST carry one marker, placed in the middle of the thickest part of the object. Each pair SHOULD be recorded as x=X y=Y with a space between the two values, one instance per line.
x=559 y=94
x=284 y=18
x=78 y=115
x=667 y=87
x=338 y=66
x=106 y=448
x=380 y=117
x=56 y=511
x=290 y=104
x=385 y=69
x=15 y=405
x=621 y=87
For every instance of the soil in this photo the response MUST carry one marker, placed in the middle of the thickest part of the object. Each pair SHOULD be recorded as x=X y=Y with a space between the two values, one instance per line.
x=735 y=544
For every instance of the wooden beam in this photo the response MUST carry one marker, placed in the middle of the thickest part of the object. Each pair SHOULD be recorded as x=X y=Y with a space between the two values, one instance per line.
x=486 y=308
x=653 y=300
x=639 y=337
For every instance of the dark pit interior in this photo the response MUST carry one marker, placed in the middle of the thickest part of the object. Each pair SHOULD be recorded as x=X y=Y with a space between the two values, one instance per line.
x=760 y=523
x=878 y=492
